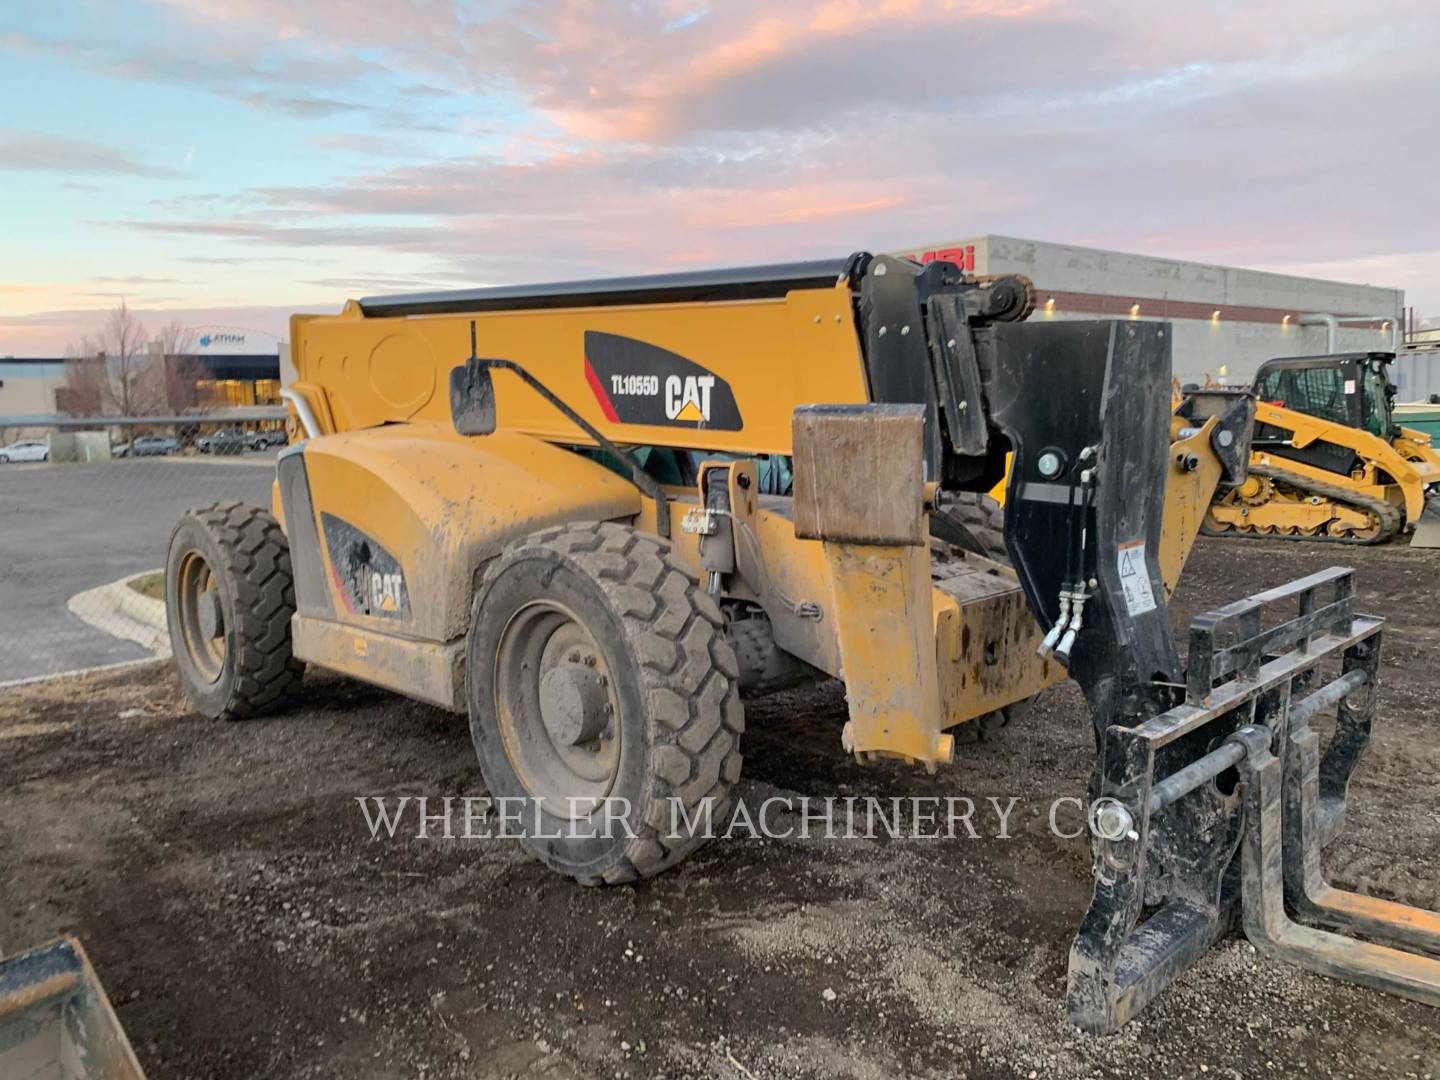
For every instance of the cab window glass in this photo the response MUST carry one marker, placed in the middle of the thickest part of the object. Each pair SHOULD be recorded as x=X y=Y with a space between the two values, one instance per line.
x=1374 y=402
x=1318 y=392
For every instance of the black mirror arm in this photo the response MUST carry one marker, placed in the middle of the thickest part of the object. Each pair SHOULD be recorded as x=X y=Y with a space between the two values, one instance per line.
x=476 y=370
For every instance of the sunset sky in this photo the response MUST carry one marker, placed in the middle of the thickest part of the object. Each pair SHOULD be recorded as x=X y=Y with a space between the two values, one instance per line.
x=229 y=161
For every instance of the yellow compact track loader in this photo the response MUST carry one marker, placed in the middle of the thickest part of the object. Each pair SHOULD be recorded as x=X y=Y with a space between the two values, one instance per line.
x=591 y=516
x=1328 y=461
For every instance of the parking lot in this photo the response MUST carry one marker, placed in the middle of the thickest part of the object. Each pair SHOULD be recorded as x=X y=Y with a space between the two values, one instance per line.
x=247 y=925
x=67 y=528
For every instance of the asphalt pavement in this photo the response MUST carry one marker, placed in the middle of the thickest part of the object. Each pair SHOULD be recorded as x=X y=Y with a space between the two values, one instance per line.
x=67 y=528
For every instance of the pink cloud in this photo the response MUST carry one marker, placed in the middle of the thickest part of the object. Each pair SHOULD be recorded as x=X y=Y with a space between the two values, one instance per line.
x=636 y=137
x=47 y=333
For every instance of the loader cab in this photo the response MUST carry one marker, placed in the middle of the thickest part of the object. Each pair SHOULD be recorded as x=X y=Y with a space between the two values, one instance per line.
x=1351 y=389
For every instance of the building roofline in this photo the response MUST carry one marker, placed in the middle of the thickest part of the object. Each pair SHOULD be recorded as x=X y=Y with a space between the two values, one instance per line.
x=1158 y=258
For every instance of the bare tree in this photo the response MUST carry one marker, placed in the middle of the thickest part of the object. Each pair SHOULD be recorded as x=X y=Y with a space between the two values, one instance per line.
x=84 y=392
x=173 y=348
x=122 y=343
x=117 y=371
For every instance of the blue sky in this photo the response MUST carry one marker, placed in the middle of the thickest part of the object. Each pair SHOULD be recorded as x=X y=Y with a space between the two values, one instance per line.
x=228 y=161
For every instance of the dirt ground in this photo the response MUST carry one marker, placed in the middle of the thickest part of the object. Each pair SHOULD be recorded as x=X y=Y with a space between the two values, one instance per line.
x=246 y=925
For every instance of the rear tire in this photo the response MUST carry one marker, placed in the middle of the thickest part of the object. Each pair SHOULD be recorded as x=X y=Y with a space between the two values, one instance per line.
x=229 y=596
x=983 y=518
x=656 y=719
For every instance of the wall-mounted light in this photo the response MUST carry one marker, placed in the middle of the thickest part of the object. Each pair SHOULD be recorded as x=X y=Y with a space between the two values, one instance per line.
x=1215 y=315
x=1050 y=303
x=1384 y=326
x=1134 y=311
x=1285 y=321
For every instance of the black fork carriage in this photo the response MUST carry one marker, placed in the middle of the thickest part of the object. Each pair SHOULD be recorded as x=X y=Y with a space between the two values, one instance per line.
x=1211 y=798
x=1222 y=803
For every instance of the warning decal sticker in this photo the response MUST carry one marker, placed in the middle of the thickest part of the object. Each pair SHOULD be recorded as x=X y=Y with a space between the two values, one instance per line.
x=1135 y=577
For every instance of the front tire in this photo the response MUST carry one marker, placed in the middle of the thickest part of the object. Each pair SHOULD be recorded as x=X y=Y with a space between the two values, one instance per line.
x=229 y=596
x=601 y=687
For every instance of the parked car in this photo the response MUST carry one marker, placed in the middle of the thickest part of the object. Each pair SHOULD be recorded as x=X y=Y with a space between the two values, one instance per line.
x=224 y=441
x=120 y=449
x=154 y=446
x=24 y=451
x=261 y=440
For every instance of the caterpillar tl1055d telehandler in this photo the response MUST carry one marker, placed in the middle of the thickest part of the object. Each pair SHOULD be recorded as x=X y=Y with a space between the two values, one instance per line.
x=593 y=515
x=1328 y=460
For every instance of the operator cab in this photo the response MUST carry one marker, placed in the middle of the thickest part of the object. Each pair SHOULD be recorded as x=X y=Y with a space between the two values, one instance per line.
x=1352 y=389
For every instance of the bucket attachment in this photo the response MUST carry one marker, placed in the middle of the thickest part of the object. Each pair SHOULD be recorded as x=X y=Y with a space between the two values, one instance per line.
x=1223 y=801
x=55 y=1019
x=1427 y=529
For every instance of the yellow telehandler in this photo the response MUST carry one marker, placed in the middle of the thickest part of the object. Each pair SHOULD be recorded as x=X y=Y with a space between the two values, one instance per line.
x=1328 y=461
x=592 y=515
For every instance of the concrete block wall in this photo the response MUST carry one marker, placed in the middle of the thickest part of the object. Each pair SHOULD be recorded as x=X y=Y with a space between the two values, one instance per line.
x=1089 y=283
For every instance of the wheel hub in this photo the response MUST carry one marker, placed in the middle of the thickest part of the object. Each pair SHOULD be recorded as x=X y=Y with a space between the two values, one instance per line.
x=211 y=615
x=557 y=708
x=201 y=616
x=574 y=704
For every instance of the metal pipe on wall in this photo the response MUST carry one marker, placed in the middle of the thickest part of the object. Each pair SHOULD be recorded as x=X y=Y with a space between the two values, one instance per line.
x=1332 y=327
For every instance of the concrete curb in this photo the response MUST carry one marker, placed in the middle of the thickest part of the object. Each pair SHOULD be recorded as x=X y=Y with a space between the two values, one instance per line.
x=120 y=665
x=120 y=611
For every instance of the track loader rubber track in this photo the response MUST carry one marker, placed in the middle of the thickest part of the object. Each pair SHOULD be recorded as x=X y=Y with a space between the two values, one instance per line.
x=1389 y=517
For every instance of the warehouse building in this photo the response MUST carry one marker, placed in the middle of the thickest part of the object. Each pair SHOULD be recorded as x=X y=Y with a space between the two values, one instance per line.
x=34 y=387
x=1226 y=320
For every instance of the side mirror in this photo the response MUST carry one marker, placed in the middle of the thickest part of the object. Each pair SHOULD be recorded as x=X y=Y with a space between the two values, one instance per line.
x=472 y=398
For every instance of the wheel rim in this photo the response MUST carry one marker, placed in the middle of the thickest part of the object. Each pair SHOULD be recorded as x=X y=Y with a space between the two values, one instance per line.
x=559 y=716
x=202 y=619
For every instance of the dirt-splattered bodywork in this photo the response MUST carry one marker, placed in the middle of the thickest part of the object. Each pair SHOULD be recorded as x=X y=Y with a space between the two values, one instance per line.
x=759 y=471
x=405 y=512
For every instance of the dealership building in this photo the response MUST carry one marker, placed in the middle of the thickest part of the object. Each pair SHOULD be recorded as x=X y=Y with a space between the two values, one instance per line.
x=1226 y=320
x=232 y=369
x=34 y=387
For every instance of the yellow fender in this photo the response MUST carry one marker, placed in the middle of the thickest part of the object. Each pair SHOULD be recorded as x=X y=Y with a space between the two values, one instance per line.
x=389 y=527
